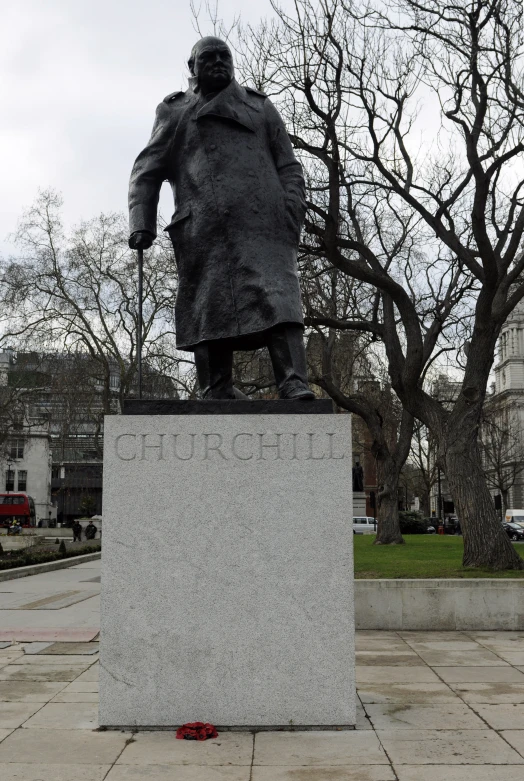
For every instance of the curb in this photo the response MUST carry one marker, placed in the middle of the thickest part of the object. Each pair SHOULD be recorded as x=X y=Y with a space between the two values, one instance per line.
x=47 y=566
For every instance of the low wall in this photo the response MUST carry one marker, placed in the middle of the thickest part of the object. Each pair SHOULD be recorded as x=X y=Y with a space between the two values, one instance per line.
x=16 y=542
x=47 y=566
x=453 y=604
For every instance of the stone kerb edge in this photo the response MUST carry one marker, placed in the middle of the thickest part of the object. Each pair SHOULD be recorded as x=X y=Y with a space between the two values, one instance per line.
x=47 y=566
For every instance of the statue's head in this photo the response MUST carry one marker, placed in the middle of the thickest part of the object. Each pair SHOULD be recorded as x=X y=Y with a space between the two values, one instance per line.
x=211 y=63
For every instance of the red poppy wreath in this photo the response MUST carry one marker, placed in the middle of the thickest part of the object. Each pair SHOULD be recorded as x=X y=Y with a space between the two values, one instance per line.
x=196 y=730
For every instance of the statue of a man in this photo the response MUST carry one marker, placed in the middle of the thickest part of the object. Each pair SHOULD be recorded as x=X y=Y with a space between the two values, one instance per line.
x=239 y=207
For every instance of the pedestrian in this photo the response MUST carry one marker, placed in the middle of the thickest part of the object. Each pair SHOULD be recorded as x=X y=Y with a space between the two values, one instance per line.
x=90 y=531
x=77 y=531
x=15 y=526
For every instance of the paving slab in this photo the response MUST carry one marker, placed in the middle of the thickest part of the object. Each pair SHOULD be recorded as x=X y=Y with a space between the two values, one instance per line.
x=58 y=747
x=502 y=717
x=450 y=747
x=515 y=738
x=395 y=674
x=388 y=658
x=85 y=660
x=82 y=686
x=65 y=715
x=71 y=648
x=318 y=749
x=459 y=772
x=162 y=748
x=5 y=660
x=464 y=644
x=29 y=691
x=362 y=721
x=497 y=693
x=41 y=672
x=413 y=693
x=180 y=773
x=397 y=716
x=17 y=771
x=13 y=714
x=62 y=634
x=424 y=636
x=76 y=697
x=511 y=657
x=389 y=643
x=346 y=773
x=480 y=675
x=479 y=657
x=487 y=636
x=35 y=648
x=90 y=675
x=59 y=601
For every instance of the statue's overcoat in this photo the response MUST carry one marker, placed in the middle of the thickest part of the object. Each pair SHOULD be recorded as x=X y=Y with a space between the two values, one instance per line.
x=239 y=206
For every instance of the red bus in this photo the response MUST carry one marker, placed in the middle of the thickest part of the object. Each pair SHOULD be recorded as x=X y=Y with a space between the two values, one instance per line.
x=17 y=505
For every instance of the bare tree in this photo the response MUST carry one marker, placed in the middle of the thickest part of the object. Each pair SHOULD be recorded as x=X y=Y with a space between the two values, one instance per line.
x=423 y=457
x=447 y=211
x=76 y=292
x=342 y=365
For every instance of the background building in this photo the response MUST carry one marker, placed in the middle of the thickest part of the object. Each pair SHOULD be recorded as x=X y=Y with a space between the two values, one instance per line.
x=52 y=408
x=502 y=430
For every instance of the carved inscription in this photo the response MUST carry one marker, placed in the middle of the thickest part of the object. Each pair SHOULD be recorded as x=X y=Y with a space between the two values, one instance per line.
x=244 y=446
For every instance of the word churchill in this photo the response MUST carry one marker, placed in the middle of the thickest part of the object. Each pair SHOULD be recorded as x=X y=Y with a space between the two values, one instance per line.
x=244 y=446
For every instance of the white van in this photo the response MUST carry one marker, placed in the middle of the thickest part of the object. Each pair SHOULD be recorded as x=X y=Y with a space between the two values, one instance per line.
x=363 y=524
x=514 y=516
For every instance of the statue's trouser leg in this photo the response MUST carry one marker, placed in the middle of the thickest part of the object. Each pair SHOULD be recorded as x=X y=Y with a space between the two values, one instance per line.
x=288 y=356
x=214 y=365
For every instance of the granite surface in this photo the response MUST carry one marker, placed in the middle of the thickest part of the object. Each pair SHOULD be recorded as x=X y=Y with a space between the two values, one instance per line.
x=227 y=407
x=227 y=571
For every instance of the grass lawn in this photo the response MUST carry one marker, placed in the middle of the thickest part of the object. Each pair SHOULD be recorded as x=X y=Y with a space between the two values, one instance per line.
x=423 y=556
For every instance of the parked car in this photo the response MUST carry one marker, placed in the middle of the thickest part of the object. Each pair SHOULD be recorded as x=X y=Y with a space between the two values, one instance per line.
x=364 y=524
x=514 y=531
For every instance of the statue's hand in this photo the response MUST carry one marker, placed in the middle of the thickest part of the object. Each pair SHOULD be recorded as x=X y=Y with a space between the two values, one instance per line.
x=141 y=240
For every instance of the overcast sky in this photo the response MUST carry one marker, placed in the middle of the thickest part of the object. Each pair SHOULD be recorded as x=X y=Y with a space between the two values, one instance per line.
x=79 y=83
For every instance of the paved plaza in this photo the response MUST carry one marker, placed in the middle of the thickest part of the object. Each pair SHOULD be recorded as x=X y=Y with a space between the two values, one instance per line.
x=434 y=706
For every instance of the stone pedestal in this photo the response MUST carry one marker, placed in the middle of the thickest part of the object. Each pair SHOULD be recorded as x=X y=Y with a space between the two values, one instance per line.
x=359 y=503
x=227 y=569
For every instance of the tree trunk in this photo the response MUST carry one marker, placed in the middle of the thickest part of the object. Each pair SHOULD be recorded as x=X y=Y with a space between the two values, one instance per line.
x=388 y=527
x=487 y=544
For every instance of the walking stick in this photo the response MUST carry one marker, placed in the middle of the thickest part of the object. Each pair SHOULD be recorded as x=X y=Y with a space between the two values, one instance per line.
x=139 y=334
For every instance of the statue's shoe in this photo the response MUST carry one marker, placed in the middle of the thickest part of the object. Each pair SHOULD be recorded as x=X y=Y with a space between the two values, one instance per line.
x=297 y=393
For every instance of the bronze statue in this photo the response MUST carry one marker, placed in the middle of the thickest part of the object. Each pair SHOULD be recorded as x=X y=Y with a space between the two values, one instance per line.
x=239 y=207
x=358 y=478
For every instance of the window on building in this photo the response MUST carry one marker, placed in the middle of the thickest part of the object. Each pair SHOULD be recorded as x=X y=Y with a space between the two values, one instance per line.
x=16 y=448
x=9 y=480
x=22 y=480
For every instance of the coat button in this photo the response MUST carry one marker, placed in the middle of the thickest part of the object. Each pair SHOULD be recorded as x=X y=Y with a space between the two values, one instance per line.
x=255 y=211
x=213 y=146
x=226 y=212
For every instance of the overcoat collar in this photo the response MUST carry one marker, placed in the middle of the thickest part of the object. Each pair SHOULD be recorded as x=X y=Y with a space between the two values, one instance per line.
x=229 y=104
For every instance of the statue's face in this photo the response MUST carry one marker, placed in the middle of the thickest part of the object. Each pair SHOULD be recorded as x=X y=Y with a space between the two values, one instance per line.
x=213 y=66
